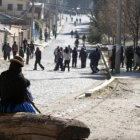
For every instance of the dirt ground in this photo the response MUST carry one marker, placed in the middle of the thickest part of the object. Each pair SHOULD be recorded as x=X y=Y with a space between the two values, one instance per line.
x=112 y=113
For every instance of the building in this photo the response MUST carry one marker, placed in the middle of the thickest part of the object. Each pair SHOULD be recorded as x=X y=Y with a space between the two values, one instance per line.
x=21 y=8
x=14 y=8
x=39 y=10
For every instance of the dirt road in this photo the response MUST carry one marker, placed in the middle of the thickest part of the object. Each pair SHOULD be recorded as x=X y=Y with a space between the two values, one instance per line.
x=112 y=113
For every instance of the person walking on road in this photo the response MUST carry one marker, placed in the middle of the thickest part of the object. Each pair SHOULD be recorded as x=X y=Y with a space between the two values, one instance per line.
x=14 y=49
x=76 y=43
x=55 y=34
x=67 y=57
x=129 y=57
x=74 y=57
x=98 y=58
x=112 y=59
x=24 y=44
x=6 y=51
x=32 y=49
x=71 y=19
x=59 y=62
x=70 y=49
x=93 y=61
x=83 y=56
x=28 y=53
x=122 y=57
x=38 y=59
x=71 y=33
x=80 y=20
x=74 y=23
x=46 y=36
x=55 y=54
x=21 y=52
x=84 y=38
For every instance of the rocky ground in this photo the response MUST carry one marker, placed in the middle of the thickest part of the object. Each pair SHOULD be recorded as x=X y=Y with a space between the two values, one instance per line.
x=111 y=113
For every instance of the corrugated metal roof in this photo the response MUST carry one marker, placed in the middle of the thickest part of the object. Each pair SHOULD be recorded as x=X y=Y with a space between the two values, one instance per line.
x=2 y=17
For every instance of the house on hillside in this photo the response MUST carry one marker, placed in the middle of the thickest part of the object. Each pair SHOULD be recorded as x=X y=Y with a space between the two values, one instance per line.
x=19 y=13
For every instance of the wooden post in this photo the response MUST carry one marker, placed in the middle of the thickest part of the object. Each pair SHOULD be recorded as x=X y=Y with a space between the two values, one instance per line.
x=107 y=68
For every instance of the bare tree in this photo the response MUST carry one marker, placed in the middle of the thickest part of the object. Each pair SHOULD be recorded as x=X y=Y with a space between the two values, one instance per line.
x=132 y=14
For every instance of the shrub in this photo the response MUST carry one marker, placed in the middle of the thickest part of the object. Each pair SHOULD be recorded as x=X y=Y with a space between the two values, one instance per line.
x=95 y=35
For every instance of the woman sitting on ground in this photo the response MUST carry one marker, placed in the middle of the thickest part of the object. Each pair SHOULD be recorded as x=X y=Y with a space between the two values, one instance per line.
x=13 y=89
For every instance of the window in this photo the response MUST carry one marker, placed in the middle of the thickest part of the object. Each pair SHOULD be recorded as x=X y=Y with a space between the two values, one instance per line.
x=19 y=7
x=37 y=10
x=10 y=7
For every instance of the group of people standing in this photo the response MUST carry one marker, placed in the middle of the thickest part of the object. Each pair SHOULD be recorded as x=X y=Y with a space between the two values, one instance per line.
x=127 y=56
x=62 y=55
x=76 y=21
x=63 y=58
x=6 y=49
x=94 y=60
x=28 y=51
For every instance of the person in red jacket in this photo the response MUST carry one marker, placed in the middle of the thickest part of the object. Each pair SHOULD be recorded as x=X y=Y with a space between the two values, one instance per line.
x=14 y=49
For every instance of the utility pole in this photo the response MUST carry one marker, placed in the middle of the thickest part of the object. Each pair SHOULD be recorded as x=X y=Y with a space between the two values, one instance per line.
x=56 y=13
x=49 y=21
x=60 y=16
x=63 y=9
x=32 y=20
x=118 y=46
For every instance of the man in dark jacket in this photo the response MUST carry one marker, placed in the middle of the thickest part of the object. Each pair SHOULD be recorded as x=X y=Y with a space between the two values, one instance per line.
x=71 y=33
x=38 y=59
x=13 y=89
x=129 y=57
x=59 y=62
x=112 y=58
x=83 y=55
x=84 y=38
x=25 y=44
x=122 y=57
x=32 y=49
x=74 y=57
x=46 y=36
x=4 y=50
x=76 y=43
x=8 y=50
x=93 y=61
x=28 y=53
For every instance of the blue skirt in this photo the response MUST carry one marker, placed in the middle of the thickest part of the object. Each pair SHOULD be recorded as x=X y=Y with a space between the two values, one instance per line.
x=23 y=107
